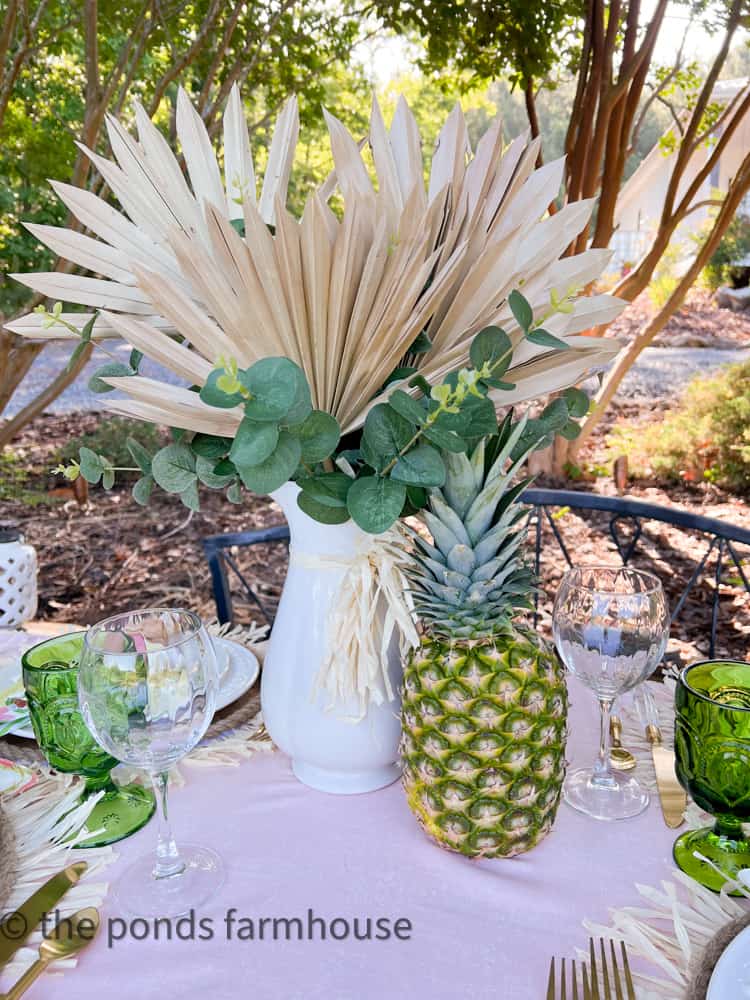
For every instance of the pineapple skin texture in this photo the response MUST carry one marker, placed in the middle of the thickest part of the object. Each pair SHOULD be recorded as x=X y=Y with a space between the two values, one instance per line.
x=484 y=726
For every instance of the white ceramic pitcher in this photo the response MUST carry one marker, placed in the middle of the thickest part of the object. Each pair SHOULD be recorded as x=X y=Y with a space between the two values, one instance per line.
x=329 y=752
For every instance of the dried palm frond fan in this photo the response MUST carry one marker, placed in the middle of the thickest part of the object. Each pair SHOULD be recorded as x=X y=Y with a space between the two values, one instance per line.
x=235 y=275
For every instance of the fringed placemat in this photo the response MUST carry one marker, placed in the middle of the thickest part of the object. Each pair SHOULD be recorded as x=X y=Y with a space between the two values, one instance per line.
x=682 y=928
x=713 y=952
x=38 y=834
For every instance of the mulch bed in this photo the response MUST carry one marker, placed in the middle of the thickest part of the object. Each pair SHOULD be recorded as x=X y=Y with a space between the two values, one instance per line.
x=698 y=324
x=111 y=554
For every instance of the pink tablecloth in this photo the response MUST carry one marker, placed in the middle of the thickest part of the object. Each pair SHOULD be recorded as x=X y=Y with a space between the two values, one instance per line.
x=478 y=929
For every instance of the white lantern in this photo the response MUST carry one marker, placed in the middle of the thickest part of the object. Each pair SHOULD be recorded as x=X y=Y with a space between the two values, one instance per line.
x=18 y=567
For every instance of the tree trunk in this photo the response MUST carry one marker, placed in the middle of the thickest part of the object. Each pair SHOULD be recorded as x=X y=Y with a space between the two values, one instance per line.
x=737 y=190
x=10 y=428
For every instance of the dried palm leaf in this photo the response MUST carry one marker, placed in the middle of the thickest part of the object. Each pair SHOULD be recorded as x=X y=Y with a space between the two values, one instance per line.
x=345 y=297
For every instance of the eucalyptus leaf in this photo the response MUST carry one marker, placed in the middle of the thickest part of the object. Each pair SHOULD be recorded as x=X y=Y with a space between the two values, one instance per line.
x=420 y=466
x=329 y=488
x=277 y=469
x=421 y=345
x=88 y=329
x=214 y=396
x=210 y=446
x=399 y=374
x=190 y=497
x=75 y=355
x=420 y=382
x=254 y=442
x=318 y=434
x=522 y=311
x=115 y=369
x=173 y=468
x=407 y=407
x=492 y=346
x=570 y=431
x=92 y=466
x=384 y=435
x=135 y=359
x=417 y=496
x=205 y=468
x=578 y=402
x=273 y=386
x=375 y=503
x=543 y=338
x=448 y=440
x=322 y=512
x=554 y=415
x=476 y=418
x=497 y=383
x=142 y=490
x=139 y=455
x=301 y=408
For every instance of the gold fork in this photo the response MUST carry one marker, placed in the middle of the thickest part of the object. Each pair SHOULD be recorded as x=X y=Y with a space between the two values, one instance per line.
x=562 y=993
x=619 y=980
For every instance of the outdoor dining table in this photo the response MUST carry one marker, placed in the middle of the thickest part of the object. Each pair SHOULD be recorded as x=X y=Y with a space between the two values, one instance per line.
x=458 y=928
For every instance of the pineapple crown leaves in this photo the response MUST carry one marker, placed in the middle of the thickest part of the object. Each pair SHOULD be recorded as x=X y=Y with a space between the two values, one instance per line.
x=471 y=579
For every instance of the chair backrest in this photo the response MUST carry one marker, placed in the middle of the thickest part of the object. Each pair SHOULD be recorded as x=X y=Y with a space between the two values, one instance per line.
x=220 y=559
x=721 y=538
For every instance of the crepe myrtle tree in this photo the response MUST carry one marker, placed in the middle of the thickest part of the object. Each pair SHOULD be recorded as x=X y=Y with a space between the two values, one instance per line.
x=608 y=49
x=374 y=475
x=64 y=66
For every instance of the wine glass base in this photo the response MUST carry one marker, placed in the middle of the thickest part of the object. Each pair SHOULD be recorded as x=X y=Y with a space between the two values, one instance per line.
x=622 y=797
x=119 y=813
x=731 y=856
x=140 y=894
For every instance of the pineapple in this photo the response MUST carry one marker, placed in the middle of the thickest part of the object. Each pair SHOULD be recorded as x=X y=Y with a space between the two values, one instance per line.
x=484 y=700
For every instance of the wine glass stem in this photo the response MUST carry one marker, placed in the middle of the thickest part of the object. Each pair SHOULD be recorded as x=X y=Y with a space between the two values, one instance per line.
x=168 y=860
x=602 y=772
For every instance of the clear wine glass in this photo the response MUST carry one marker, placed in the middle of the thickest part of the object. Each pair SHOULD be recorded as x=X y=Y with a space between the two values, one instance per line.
x=147 y=685
x=611 y=627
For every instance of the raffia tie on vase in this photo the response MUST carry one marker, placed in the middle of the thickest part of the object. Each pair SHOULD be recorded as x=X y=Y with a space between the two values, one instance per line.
x=355 y=667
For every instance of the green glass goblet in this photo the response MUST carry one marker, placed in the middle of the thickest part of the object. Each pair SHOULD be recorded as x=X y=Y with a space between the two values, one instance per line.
x=50 y=676
x=712 y=762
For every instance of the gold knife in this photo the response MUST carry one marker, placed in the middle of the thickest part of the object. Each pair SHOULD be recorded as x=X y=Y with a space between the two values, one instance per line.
x=672 y=795
x=17 y=927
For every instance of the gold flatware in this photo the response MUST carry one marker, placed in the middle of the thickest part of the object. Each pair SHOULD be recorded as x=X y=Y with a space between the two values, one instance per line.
x=672 y=795
x=16 y=927
x=568 y=990
x=620 y=758
x=66 y=939
x=616 y=983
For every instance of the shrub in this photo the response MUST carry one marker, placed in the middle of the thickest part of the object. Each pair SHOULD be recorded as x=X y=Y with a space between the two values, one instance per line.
x=109 y=439
x=706 y=437
x=734 y=243
x=16 y=482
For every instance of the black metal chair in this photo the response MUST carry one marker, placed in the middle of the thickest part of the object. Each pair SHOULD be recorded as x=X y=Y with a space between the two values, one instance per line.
x=721 y=538
x=220 y=559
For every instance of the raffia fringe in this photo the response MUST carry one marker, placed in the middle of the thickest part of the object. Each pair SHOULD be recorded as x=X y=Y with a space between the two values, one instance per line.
x=355 y=668
x=679 y=918
x=42 y=818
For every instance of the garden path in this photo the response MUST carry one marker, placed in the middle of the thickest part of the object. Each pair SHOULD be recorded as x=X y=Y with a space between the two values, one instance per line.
x=660 y=372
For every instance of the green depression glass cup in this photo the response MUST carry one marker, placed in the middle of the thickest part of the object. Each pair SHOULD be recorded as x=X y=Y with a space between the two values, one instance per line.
x=712 y=761
x=50 y=676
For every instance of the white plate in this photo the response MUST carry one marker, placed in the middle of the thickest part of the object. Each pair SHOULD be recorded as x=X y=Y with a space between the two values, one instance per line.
x=239 y=669
x=731 y=977
x=239 y=676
